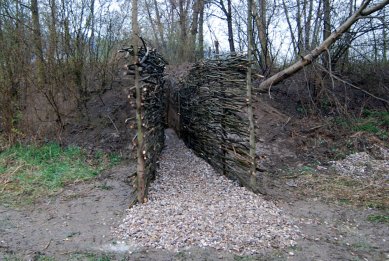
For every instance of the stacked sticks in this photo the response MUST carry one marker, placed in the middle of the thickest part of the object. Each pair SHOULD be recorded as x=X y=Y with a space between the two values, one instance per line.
x=151 y=67
x=213 y=115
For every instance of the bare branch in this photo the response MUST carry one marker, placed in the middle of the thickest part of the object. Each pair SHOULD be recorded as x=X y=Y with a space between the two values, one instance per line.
x=310 y=57
x=352 y=85
x=375 y=8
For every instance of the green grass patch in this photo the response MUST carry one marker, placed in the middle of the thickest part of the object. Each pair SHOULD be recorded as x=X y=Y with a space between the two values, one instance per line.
x=362 y=246
x=378 y=218
x=28 y=172
x=374 y=122
x=378 y=204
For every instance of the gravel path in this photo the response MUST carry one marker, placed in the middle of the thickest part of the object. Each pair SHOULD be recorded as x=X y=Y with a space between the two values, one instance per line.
x=192 y=206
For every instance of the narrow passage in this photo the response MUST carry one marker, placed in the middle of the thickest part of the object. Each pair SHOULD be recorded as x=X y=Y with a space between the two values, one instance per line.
x=192 y=206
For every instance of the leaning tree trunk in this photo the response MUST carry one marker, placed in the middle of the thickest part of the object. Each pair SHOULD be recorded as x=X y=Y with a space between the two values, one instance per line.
x=363 y=11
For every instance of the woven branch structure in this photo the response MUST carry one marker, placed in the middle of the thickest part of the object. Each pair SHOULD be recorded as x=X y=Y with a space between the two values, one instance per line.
x=151 y=67
x=213 y=121
x=208 y=109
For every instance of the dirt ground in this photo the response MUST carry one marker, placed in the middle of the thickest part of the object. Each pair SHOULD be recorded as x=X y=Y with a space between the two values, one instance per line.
x=331 y=231
x=77 y=223
x=79 y=219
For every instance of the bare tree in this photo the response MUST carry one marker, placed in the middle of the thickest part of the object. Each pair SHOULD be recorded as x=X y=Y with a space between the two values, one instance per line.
x=38 y=41
x=201 y=31
x=326 y=29
x=159 y=24
x=291 y=29
x=249 y=93
x=227 y=11
x=363 y=11
x=308 y=14
x=197 y=28
x=384 y=37
x=196 y=6
x=183 y=7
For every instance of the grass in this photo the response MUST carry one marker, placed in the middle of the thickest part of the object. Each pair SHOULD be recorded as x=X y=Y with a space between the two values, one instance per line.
x=376 y=218
x=374 y=122
x=362 y=246
x=28 y=172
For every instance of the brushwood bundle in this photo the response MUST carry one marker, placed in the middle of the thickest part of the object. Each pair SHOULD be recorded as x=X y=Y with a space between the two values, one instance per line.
x=212 y=104
x=151 y=67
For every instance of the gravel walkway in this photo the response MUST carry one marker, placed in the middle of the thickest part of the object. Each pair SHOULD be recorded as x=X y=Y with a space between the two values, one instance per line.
x=192 y=206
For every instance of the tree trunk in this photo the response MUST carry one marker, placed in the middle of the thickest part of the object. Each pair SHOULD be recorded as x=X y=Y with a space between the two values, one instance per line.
x=315 y=39
x=291 y=31
x=194 y=29
x=253 y=179
x=384 y=38
x=159 y=25
x=183 y=31
x=37 y=39
x=201 y=31
x=348 y=40
x=308 y=23
x=153 y=26
x=228 y=13
x=53 y=33
x=300 y=39
x=229 y=24
x=140 y=170
x=6 y=107
x=93 y=55
x=66 y=29
x=261 y=23
x=326 y=29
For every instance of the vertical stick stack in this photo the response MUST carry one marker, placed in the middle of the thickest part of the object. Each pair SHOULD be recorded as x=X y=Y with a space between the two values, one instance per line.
x=214 y=121
x=151 y=67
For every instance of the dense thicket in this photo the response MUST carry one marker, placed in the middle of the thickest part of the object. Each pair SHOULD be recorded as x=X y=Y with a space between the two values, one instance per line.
x=53 y=54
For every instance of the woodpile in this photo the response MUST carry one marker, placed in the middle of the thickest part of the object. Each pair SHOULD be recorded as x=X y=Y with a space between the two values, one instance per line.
x=151 y=67
x=212 y=106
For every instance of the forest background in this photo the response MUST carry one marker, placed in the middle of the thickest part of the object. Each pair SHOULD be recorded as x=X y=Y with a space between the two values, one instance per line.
x=55 y=54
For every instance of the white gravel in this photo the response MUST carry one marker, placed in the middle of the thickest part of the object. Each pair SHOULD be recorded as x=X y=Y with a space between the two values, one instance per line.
x=361 y=165
x=192 y=206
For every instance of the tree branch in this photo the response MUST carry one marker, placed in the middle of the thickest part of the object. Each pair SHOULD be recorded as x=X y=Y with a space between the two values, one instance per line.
x=310 y=57
x=375 y=8
x=354 y=86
